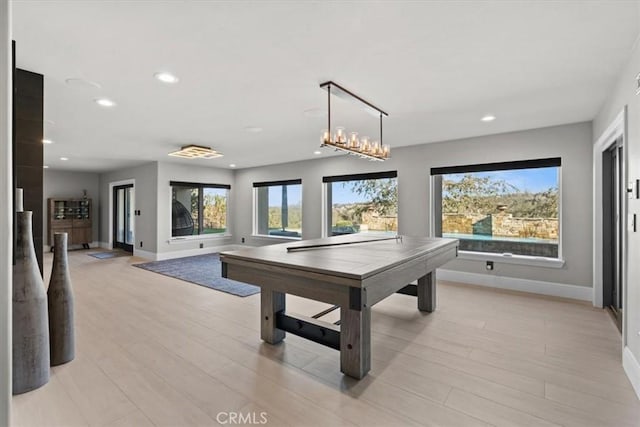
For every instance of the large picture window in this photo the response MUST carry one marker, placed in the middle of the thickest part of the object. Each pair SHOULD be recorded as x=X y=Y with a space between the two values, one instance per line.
x=278 y=208
x=198 y=209
x=364 y=203
x=506 y=208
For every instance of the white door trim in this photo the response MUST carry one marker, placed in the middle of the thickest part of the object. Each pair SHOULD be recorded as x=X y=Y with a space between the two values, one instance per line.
x=111 y=219
x=617 y=129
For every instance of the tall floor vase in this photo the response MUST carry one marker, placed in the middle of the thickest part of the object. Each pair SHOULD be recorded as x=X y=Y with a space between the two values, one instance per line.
x=60 y=297
x=30 y=318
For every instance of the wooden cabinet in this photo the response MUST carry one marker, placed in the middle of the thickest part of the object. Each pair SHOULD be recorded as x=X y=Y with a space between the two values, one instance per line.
x=71 y=216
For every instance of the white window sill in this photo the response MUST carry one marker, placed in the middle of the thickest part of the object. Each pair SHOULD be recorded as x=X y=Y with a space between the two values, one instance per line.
x=185 y=239
x=265 y=236
x=532 y=261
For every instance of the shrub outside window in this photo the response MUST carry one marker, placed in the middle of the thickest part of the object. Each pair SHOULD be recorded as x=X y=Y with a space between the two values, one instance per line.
x=506 y=208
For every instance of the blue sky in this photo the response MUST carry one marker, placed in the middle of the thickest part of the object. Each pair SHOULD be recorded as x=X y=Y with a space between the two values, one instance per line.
x=533 y=180
x=294 y=195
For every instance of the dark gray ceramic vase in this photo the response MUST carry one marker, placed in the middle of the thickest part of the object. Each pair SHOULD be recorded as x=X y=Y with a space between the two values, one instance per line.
x=60 y=297
x=30 y=319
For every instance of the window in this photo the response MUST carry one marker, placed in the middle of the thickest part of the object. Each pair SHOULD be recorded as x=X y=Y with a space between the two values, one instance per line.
x=198 y=209
x=505 y=208
x=278 y=208
x=364 y=203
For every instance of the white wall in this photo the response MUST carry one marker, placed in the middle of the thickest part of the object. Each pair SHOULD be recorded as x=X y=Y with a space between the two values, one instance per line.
x=177 y=172
x=66 y=184
x=573 y=143
x=6 y=209
x=624 y=93
x=146 y=200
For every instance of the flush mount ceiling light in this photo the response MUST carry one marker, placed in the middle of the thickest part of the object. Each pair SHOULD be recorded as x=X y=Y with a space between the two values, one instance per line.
x=488 y=118
x=105 y=102
x=317 y=152
x=359 y=146
x=64 y=159
x=47 y=141
x=196 y=152
x=165 y=77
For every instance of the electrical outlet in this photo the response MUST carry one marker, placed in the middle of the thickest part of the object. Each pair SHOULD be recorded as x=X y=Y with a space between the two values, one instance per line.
x=201 y=245
x=489 y=266
x=243 y=240
x=140 y=243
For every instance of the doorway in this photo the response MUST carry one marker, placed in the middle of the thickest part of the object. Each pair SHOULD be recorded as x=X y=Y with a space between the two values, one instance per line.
x=613 y=216
x=123 y=212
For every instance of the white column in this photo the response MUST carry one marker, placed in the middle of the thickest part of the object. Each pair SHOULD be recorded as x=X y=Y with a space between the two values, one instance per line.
x=6 y=211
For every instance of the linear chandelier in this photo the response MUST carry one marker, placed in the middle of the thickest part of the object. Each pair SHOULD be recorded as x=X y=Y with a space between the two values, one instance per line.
x=352 y=144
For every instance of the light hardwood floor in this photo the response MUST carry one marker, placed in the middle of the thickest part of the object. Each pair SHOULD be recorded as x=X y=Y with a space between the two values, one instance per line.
x=152 y=350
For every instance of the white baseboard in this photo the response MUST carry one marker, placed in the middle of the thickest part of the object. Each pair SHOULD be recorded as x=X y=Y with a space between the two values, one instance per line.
x=145 y=254
x=515 y=284
x=632 y=368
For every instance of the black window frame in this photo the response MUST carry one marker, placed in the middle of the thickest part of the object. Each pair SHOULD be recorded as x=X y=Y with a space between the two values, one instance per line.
x=201 y=186
x=256 y=216
x=436 y=177
x=328 y=180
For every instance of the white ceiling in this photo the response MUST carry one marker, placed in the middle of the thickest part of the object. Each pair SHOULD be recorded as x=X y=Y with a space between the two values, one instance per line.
x=435 y=67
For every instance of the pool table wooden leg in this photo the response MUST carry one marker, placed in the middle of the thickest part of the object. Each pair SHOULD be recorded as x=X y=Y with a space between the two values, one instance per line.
x=427 y=292
x=271 y=302
x=355 y=341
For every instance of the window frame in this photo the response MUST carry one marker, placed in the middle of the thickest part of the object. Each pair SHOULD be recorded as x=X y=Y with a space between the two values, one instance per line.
x=255 y=211
x=200 y=186
x=327 y=202
x=435 y=178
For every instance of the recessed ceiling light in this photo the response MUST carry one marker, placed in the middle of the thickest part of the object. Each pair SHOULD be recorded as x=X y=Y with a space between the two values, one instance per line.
x=253 y=129
x=45 y=167
x=165 y=77
x=47 y=141
x=315 y=112
x=232 y=165
x=317 y=152
x=82 y=83
x=105 y=102
x=64 y=159
x=488 y=118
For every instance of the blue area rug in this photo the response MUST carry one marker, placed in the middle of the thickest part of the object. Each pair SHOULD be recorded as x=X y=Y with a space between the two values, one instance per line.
x=203 y=270
x=110 y=254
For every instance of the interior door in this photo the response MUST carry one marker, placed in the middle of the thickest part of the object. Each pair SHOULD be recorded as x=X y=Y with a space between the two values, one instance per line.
x=613 y=232
x=123 y=212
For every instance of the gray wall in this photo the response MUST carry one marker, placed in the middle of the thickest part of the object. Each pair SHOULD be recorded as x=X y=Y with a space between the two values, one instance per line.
x=571 y=142
x=177 y=172
x=624 y=93
x=66 y=184
x=146 y=200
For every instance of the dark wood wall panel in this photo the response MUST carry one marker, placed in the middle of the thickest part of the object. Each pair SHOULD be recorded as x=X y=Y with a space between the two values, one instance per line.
x=29 y=117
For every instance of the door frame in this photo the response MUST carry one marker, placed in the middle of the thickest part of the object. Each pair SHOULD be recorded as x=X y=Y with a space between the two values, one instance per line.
x=112 y=185
x=615 y=131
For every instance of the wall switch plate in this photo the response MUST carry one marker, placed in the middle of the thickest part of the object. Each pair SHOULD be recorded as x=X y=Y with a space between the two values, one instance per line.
x=140 y=243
